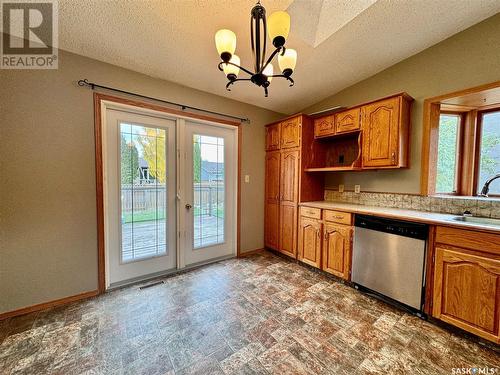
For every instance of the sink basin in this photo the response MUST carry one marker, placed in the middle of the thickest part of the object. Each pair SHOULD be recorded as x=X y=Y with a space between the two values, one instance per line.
x=478 y=220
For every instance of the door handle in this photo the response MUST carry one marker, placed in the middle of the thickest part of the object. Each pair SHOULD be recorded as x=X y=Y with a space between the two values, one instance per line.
x=188 y=206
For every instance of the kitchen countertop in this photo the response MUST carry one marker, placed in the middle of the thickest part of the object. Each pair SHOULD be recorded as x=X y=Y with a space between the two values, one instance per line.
x=402 y=214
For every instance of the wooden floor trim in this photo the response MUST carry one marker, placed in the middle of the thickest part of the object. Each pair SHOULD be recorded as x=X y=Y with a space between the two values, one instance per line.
x=251 y=252
x=48 y=305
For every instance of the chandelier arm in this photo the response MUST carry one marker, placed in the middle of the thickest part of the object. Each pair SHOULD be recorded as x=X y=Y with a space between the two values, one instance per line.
x=230 y=63
x=288 y=78
x=271 y=58
x=234 y=80
x=265 y=91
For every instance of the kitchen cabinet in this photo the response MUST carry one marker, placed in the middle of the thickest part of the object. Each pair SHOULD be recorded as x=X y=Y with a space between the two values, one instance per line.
x=272 y=200
x=347 y=121
x=324 y=126
x=466 y=290
x=290 y=132
x=273 y=137
x=385 y=127
x=326 y=243
x=337 y=249
x=310 y=241
x=286 y=182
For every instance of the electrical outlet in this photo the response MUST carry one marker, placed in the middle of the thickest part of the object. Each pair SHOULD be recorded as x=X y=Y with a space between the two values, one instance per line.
x=357 y=189
x=247 y=178
x=341 y=188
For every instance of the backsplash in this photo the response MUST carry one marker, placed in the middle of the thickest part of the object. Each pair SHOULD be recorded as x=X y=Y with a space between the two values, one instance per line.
x=486 y=207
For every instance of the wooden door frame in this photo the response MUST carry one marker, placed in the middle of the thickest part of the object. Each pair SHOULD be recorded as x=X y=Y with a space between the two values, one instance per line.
x=99 y=98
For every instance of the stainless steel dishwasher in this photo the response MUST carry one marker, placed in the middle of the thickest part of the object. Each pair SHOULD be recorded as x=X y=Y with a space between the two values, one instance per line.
x=389 y=258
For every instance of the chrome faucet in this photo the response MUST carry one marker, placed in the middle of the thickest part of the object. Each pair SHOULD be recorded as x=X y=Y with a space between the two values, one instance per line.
x=486 y=187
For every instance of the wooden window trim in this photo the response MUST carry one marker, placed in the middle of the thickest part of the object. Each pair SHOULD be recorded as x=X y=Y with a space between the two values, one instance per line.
x=431 y=112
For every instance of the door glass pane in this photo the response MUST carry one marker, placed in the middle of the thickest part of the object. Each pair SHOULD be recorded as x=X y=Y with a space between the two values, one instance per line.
x=208 y=190
x=143 y=192
x=446 y=174
x=489 y=159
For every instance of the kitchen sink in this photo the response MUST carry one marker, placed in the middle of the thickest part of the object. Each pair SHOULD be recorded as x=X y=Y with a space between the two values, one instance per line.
x=477 y=220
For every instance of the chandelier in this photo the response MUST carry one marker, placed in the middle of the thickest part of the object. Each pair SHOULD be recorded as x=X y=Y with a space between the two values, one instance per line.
x=278 y=27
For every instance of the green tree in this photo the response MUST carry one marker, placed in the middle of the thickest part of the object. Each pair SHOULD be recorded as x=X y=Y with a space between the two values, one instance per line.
x=129 y=161
x=445 y=179
x=196 y=159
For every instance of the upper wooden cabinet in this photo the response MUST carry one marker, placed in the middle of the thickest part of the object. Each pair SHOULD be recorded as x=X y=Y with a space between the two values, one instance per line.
x=347 y=121
x=324 y=126
x=290 y=132
x=385 y=126
x=273 y=137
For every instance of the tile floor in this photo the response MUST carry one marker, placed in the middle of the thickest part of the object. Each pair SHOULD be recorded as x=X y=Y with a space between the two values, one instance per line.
x=261 y=314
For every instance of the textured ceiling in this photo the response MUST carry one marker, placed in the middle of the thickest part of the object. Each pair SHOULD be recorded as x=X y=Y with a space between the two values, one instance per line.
x=174 y=39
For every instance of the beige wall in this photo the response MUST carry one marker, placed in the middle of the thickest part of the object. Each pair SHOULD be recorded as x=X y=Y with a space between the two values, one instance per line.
x=47 y=199
x=467 y=59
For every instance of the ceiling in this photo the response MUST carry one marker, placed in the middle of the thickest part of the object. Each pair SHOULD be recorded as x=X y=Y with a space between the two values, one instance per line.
x=339 y=42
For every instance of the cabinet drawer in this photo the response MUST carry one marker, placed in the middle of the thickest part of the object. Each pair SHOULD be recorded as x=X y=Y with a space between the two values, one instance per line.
x=314 y=213
x=337 y=217
x=324 y=126
x=468 y=239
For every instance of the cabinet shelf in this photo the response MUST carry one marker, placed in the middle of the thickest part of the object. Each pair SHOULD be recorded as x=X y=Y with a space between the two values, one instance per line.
x=333 y=169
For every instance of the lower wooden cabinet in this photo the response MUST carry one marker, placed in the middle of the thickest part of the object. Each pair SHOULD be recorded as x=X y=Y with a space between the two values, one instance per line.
x=325 y=244
x=467 y=291
x=337 y=250
x=288 y=230
x=310 y=241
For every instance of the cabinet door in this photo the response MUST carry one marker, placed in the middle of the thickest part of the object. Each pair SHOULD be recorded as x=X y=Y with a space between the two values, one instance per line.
x=288 y=229
x=324 y=126
x=272 y=200
x=290 y=133
x=289 y=178
x=289 y=181
x=380 y=139
x=273 y=137
x=337 y=250
x=467 y=291
x=309 y=239
x=348 y=120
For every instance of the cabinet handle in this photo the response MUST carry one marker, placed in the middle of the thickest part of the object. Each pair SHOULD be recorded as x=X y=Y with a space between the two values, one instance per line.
x=393 y=157
x=326 y=236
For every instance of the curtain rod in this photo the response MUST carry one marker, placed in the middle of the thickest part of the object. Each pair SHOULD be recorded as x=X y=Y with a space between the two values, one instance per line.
x=92 y=85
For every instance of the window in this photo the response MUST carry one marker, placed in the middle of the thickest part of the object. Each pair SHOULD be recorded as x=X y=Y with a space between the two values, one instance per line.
x=461 y=142
x=489 y=150
x=448 y=153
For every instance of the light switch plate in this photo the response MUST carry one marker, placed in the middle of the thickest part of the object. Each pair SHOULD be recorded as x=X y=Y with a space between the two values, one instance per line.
x=341 y=188
x=247 y=178
x=357 y=189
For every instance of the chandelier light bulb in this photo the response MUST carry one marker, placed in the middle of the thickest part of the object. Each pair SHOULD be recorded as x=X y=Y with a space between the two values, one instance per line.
x=232 y=71
x=278 y=26
x=225 y=41
x=268 y=71
x=288 y=61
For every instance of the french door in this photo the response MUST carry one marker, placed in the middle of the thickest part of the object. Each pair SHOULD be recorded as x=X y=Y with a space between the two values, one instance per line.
x=170 y=190
x=140 y=179
x=209 y=203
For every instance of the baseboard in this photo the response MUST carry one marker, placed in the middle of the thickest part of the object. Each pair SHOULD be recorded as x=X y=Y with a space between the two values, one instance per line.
x=251 y=252
x=48 y=305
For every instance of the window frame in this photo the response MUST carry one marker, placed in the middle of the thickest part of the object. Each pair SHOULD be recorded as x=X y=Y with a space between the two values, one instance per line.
x=471 y=102
x=477 y=152
x=459 y=152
